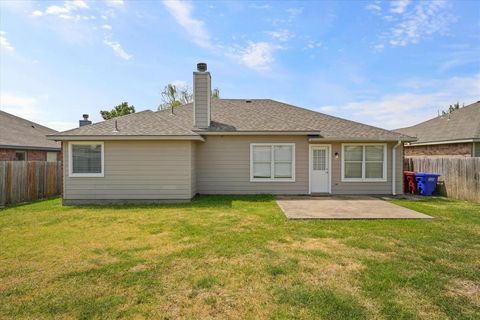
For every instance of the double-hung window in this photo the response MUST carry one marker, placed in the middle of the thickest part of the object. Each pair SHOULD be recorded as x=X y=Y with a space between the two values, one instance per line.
x=364 y=162
x=272 y=162
x=86 y=159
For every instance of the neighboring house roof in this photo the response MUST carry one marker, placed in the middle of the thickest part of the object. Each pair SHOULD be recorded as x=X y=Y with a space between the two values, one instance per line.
x=234 y=116
x=19 y=133
x=460 y=125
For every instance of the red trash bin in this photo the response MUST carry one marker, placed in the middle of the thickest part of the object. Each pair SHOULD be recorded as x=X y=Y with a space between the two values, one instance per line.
x=409 y=185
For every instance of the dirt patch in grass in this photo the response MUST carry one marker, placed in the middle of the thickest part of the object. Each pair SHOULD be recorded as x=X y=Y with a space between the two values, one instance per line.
x=466 y=289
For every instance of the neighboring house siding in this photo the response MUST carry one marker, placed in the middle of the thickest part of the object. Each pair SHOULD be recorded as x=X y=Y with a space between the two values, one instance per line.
x=136 y=170
x=32 y=155
x=339 y=187
x=452 y=149
x=7 y=154
x=223 y=166
x=36 y=155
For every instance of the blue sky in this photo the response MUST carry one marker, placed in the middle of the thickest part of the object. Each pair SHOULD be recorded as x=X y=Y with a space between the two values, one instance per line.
x=389 y=64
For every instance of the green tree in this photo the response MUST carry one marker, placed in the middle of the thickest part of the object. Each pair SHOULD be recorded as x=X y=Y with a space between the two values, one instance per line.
x=452 y=108
x=120 y=110
x=174 y=96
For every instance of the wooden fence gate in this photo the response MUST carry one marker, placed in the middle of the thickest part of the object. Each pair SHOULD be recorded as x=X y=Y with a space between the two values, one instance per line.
x=23 y=181
x=460 y=177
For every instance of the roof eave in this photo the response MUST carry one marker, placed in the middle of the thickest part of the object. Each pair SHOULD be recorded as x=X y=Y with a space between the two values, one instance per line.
x=118 y=137
x=363 y=139
x=426 y=143
x=18 y=147
x=245 y=132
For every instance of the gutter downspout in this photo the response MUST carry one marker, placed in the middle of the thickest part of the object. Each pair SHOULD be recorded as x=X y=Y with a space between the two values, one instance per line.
x=394 y=167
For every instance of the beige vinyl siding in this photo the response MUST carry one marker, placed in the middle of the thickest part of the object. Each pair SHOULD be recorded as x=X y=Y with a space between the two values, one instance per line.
x=384 y=187
x=136 y=170
x=223 y=166
x=193 y=169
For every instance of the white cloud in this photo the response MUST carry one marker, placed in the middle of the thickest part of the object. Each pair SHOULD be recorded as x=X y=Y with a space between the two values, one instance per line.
x=425 y=19
x=57 y=10
x=258 y=55
x=114 y=3
x=281 y=35
x=182 y=13
x=293 y=13
x=66 y=11
x=399 y=6
x=379 y=47
x=117 y=49
x=180 y=83
x=375 y=7
x=37 y=13
x=407 y=108
x=4 y=43
x=313 y=44
x=107 y=27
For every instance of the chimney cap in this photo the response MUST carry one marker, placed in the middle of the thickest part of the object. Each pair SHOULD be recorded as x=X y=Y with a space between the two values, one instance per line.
x=201 y=66
x=85 y=116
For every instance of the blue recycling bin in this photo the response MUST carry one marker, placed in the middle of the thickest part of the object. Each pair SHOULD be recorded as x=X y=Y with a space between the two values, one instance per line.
x=426 y=182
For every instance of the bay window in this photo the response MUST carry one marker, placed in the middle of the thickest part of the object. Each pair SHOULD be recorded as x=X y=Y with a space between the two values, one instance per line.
x=272 y=162
x=364 y=162
x=86 y=159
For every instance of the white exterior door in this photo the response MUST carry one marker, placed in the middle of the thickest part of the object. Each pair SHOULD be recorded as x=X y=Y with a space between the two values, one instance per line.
x=319 y=169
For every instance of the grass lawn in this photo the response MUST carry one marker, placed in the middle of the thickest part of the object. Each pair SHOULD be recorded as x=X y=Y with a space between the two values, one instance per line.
x=236 y=257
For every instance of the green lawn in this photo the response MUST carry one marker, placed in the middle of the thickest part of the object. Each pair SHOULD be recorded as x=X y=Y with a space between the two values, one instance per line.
x=236 y=257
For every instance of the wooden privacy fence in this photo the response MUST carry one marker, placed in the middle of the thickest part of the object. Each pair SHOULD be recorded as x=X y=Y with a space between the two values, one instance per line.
x=23 y=181
x=460 y=177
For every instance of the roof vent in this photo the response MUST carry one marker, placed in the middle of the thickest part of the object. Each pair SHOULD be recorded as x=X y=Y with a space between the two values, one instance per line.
x=201 y=67
x=248 y=101
x=115 y=129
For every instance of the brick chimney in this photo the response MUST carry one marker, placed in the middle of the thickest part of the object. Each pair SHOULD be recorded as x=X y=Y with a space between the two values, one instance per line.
x=202 y=87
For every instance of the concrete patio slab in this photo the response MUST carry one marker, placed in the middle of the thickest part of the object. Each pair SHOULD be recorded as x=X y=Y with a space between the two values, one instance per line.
x=344 y=207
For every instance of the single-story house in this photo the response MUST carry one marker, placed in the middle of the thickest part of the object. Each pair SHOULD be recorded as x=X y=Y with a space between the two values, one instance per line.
x=227 y=146
x=22 y=140
x=454 y=134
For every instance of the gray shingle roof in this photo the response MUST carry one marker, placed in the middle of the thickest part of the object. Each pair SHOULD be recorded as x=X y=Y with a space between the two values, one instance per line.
x=19 y=132
x=236 y=115
x=459 y=125
x=144 y=123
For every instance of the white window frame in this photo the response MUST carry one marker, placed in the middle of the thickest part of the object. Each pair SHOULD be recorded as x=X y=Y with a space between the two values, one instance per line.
x=70 y=160
x=364 y=179
x=272 y=163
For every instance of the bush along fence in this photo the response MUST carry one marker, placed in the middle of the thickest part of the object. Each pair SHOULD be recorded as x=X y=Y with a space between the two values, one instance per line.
x=23 y=181
x=460 y=177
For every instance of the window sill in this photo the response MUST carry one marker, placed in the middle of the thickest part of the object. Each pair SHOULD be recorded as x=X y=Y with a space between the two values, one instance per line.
x=271 y=180
x=86 y=175
x=363 y=180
